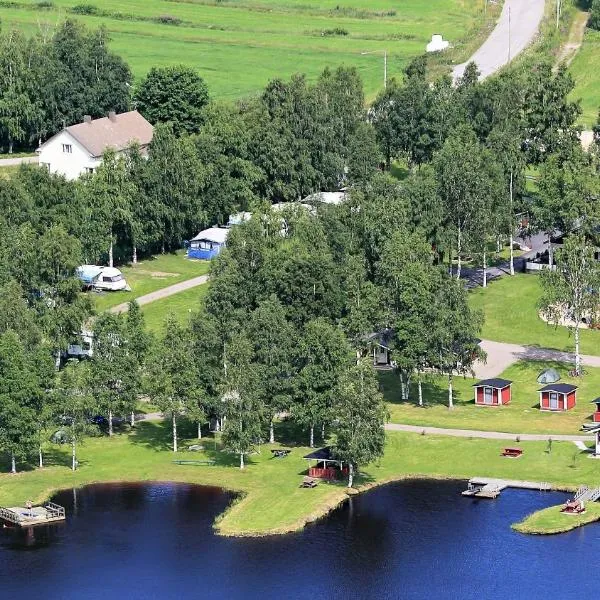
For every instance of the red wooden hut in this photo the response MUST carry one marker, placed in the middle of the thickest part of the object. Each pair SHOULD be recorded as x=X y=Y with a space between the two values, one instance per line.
x=596 y=415
x=558 y=396
x=493 y=392
x=326 y=467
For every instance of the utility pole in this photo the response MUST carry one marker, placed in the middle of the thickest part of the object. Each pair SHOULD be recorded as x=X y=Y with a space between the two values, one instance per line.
x=385 y=68
x=557 y=14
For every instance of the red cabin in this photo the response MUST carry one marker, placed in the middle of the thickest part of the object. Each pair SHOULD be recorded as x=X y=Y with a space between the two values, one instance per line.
x=493 y=392
x=596 y=415
x=558 y=396
x=326 y=467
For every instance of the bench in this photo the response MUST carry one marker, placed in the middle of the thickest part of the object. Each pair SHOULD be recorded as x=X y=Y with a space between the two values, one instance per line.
x=193 y=462
x=280 y=452
x=512 y=452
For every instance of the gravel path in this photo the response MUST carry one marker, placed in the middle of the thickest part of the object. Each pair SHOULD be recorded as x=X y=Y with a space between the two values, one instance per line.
x=488 y=435
x=502 y=355
x=519 y=23
x=13 y=162
x=164 y=293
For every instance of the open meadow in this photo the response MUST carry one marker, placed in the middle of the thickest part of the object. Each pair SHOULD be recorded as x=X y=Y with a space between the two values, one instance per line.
x=585 y=69
x=238 y=45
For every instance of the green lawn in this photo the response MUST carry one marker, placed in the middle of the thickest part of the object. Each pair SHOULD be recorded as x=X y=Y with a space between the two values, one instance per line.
x=520 y=416
x=239 y=45
x=585 y=69
x=511 y=315
x=272 y=501
x=182 y=305
x=551 y=520
x=153 y=274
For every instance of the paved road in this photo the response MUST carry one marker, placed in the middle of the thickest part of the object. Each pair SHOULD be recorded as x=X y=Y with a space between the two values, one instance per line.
x=164 y=293
x=501 y=355
x=488 y=435
x=13 y=162
x=519 y=23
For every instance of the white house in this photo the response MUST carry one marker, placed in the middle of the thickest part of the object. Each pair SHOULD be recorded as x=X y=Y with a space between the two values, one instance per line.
x=78 y=149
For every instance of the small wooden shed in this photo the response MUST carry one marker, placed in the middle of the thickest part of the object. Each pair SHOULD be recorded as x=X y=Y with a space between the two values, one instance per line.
x=596 y=415
x=558 y=396
x=493 y=392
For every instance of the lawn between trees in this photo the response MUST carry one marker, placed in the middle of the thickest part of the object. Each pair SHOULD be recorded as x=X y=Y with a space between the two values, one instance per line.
x=271 y=501
x=522 y=415
x=510 y=306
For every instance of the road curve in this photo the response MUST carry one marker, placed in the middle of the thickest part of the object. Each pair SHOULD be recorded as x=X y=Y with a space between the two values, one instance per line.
x=519 y=23
x=164 y=293
x=501 y=355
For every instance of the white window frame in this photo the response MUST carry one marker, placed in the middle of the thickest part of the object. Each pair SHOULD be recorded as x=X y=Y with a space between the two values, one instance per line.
x=67 y=148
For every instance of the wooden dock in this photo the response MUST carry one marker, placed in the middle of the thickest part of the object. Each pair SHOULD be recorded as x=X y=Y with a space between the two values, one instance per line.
x=487 y=487
x=36 y=515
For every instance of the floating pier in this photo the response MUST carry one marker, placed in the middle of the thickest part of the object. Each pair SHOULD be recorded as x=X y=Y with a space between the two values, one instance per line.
x=486 y=487
x=36 y=515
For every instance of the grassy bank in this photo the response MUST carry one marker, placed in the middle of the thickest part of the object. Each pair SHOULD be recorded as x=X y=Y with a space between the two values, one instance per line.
x=240 y=44
x=585 y=69
x=151 y=275
x=551 y=520
x=522 y=415
x=510 y=305
x=271 y=500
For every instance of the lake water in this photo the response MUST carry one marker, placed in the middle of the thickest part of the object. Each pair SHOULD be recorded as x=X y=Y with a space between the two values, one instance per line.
x=413 y=539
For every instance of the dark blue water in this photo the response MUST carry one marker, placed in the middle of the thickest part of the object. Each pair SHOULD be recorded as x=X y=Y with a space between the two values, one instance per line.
x=414 y=539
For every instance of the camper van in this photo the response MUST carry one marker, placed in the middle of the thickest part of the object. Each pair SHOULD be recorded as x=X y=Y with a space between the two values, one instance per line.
x=102 y=278
x=81 y=348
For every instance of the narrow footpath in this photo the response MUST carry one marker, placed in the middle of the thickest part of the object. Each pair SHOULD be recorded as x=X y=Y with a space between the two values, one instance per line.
x=487 y=435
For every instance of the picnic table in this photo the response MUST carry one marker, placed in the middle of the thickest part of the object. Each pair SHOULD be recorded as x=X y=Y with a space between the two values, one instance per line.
x=512 y=452
x=280 y=452
x=309 y=482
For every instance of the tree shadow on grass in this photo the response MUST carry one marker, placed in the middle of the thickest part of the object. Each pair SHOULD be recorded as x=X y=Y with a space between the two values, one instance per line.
x=154 y=435
x=289 y=433
x=434 y=394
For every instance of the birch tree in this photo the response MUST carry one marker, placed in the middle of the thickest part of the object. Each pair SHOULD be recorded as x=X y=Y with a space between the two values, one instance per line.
x=361 y=413
x=571 y=291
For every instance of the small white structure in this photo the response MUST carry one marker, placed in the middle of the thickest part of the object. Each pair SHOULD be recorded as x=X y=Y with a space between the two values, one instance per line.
x=326 y=198
x=101 y=278
x=82 y=347
x=78 y=149
x=238 y=218
x=437 y=43
x=208 y=243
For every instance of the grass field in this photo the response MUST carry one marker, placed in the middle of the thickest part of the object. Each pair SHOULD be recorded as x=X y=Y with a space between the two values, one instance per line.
x=511 y=315
x=272 y=501
x=585 y=68
x=551 y=520
x=181 y=305
x=238 y=45
x=153 y=274
x=520 y=416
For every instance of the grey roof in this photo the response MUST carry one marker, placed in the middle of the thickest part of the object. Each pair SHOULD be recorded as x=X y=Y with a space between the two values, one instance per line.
x=212 y=234
x=548 y=376
x=561 y=388
x=596 y=401
x=495 y=382
x=321 y=454
x=117 y=132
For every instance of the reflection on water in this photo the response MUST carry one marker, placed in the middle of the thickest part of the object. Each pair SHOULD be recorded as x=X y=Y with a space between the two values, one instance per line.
x=414 y=539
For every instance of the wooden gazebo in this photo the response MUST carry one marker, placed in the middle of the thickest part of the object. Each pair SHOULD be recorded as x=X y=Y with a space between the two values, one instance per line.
x=326 y=466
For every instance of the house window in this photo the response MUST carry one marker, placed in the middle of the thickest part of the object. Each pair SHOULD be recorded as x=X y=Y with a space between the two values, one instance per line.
x=89 y=169
x=67 y=148
x=488 y=395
